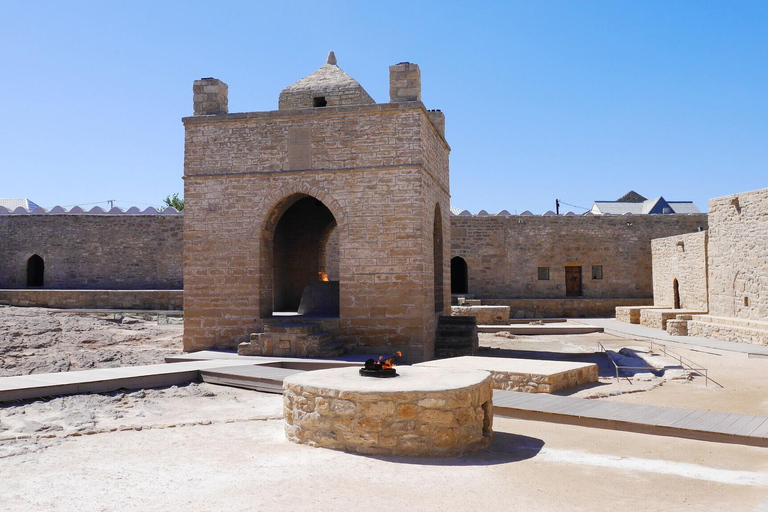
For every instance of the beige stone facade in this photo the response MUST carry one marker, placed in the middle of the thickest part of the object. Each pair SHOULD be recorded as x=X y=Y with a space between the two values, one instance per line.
x=504 y=255
x=728 y=266
x=79 y=250
x=264 y=189
x=680 y=271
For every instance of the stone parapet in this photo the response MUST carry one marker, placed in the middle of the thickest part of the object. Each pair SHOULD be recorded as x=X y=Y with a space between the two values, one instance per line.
x=423 y=412
x=95 y=299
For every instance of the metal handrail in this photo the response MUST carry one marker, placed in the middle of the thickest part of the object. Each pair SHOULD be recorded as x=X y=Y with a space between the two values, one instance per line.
x=685 y=363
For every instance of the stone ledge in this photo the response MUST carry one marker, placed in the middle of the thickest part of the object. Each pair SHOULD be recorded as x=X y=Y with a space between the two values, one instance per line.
x=729 y=329
x=95 y=299
x=525 y=375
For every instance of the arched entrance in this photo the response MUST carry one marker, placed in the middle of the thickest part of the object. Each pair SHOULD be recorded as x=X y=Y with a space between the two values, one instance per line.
x=676 y=290
x=35 y=271
x=437 y=252
x=300 y=252
x=459 y=275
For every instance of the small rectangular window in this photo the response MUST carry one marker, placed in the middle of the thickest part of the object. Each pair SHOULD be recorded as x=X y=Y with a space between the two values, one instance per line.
x=319 y=101
x=597 y=271
x=543 y=273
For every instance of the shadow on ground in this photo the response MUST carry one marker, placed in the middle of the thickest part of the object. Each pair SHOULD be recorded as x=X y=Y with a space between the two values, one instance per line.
x=504 y=448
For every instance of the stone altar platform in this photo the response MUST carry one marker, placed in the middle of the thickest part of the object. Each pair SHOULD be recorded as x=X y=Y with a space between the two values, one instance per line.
x=526 y=375
x=437 y=412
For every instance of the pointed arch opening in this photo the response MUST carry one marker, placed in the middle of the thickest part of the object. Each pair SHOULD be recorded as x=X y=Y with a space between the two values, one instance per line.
x=676 y=291
x=303 y=248
x=35 y=271
x=437 y=253
x=459 y=275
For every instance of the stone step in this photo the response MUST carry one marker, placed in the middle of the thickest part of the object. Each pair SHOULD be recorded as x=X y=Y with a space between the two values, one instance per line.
x=292 y=327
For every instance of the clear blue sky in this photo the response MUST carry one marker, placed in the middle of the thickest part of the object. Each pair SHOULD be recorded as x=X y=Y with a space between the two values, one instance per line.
x=577 y=100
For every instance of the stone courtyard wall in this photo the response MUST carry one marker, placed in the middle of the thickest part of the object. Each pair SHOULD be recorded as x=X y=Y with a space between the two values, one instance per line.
x=738 y=255
x=503 y=253
x=93 y=251
x=682 y=257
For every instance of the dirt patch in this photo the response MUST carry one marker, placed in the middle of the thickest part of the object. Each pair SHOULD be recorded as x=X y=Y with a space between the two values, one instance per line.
x=37 y=340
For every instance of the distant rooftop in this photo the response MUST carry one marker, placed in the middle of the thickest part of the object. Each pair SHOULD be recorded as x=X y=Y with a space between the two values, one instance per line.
x=12 y=204
x=634 y=203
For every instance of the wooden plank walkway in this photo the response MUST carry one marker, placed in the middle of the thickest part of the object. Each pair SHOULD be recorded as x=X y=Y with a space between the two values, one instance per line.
x=721 y=427
x=103 y=380
x=260 y=378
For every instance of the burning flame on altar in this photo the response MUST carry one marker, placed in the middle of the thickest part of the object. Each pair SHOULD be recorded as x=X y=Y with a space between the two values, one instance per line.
x=387 y=363
x=323 y=276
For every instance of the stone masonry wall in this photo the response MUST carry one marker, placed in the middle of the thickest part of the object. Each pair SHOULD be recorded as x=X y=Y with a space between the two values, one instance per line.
x=682 y=257
x=87 y=251
x=503 y=253
x=370 y=165
x=738 y=255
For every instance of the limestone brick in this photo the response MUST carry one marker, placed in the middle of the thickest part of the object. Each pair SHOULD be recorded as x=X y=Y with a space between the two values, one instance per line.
x=681 y=258
x=93 y=252
x=503 y=253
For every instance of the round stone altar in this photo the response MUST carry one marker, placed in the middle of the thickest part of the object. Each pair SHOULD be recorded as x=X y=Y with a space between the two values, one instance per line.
x=424 y=411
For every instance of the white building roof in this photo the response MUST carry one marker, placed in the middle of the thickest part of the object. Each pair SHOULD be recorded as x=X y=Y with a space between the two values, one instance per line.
x=13 y=203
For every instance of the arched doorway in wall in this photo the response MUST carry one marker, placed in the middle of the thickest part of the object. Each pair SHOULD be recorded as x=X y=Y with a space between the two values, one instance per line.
x=676 y=291
x=459 y=275
x=302 y=247
x=437 y=258
x=35 y=271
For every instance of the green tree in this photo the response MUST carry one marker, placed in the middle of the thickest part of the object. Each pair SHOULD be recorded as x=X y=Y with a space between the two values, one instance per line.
x=174 y=201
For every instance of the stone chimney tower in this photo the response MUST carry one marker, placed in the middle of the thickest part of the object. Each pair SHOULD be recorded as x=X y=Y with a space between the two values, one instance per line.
x=210 y=97
x=404 y=82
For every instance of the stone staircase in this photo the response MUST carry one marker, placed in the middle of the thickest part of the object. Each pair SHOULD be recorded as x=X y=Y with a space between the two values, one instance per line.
x=456 y=336
x=292 y=339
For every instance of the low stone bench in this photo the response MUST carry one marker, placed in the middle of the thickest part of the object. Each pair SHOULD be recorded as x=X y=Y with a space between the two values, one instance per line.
x=657 y=318
x=526 y=375
x=631 y=314
x=485 y=315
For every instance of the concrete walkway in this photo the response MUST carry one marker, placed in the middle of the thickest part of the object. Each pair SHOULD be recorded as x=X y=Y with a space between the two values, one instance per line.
x=613 y=326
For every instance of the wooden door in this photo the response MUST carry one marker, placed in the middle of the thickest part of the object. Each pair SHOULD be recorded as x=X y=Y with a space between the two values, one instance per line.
x=573 y=281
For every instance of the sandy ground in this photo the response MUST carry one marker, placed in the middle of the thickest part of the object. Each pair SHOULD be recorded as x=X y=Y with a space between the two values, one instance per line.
x=207 y=447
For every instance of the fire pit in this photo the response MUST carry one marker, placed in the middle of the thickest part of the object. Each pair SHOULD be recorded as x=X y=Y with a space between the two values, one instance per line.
x=382 y=368
x=425 y=411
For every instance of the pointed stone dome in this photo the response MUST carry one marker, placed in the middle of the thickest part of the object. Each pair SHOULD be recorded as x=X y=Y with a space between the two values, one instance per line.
x=328 y=86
